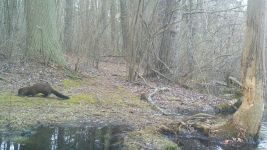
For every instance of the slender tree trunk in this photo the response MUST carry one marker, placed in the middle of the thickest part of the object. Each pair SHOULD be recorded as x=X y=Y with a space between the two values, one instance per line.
x=126 y=36
x=190 y=42
x=8 y=15
x=102 y=24
x=186 y=66
x=112 y=26
x=68 y=30
x=7 y=18
x=124 y=26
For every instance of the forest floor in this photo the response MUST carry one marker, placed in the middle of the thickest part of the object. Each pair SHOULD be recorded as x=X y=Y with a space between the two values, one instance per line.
x=96 y=96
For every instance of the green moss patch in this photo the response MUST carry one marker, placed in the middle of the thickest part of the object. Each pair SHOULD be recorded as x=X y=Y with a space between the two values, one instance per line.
x=97 y=100
x=24 y=112
x=83 y=97
x=72 y=83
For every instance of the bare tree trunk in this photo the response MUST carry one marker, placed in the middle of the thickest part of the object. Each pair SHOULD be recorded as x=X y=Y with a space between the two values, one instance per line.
x=7 y=19
x=190 y=42
x=102 y=23
x=126 y=38
x=112 y=26
x=186 y=66
x=42 y=34
x=10 y=13
x=124 y=26
x=167 y=48
x=248 y=117
x=68 y=30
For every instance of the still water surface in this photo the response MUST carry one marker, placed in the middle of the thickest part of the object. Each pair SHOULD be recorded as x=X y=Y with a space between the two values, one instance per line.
x=105 y=138
x=191 y=144
x=70 y=138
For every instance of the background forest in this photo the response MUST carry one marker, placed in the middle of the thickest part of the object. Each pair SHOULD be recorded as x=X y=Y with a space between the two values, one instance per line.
x=153 y=68
x=185 y=41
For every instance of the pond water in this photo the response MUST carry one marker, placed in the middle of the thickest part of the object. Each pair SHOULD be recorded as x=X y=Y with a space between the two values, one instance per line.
x=205 y=144
x=106 y=138
x=263 y=133
x=70 y=138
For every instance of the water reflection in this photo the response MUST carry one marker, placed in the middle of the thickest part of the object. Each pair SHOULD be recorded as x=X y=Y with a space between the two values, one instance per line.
x=263 y=132
x=62 y=138
x=193 y=144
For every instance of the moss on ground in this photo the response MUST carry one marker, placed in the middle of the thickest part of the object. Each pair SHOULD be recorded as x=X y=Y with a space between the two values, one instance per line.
x=67 y=83
x=25 y=112
x=90 y=100
x=83 y=97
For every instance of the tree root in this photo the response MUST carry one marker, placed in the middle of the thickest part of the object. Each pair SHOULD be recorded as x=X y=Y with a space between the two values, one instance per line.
x=198 y=122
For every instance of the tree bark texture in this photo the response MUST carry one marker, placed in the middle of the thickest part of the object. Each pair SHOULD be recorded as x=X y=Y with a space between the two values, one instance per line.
x=249 y=115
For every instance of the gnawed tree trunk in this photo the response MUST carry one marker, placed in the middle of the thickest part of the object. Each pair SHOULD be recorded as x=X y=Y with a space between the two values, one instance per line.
x=248 y=117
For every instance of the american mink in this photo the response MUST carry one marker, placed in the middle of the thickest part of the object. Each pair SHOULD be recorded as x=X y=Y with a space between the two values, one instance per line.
x=43 y=88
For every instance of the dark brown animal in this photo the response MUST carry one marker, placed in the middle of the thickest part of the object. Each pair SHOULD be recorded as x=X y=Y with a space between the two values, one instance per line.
x=43 y=88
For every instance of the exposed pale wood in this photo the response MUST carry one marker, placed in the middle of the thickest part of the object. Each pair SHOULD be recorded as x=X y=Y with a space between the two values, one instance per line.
x=249 y=115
